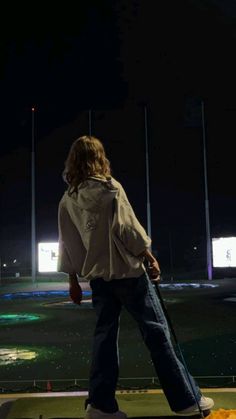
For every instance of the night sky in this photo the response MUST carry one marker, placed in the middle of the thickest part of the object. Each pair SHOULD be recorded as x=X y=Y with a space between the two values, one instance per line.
x=114 y=57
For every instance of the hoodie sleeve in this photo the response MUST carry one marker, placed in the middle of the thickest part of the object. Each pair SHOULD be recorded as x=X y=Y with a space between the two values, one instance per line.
x=72 y=252
x=126 y=226
x=64 y=263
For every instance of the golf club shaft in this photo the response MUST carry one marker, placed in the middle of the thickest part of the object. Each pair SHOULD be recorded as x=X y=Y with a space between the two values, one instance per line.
x=178 y=345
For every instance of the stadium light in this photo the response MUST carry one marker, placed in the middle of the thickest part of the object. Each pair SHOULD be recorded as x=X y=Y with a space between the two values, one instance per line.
x=47 y=256
x=224 y=252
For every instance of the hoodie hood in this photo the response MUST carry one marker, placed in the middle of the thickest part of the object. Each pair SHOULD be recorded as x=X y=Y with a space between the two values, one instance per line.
x=94 y=193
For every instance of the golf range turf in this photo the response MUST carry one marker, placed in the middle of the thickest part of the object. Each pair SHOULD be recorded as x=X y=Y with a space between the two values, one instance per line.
x=203 y=319
x=134 y=404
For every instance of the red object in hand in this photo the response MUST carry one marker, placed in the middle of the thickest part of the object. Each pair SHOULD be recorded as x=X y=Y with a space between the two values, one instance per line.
x=75 y=292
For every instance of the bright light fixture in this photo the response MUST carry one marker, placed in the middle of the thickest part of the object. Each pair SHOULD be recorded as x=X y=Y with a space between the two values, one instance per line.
x=224 y=252
x=47 y=257
x=12 y=355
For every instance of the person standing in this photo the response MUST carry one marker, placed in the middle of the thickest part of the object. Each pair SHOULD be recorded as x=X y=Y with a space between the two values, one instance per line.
x=102 y=241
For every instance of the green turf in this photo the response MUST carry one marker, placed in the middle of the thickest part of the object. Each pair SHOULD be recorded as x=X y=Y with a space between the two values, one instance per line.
x=135 y=405
x=203 y=321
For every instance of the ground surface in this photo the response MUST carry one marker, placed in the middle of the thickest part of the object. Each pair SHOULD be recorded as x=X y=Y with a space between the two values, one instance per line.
x=135 y=405
x=60 y=339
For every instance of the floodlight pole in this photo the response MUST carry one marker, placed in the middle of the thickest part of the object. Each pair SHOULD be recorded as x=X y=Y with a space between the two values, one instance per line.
x=149 y=226
x=90 y=121
x=33 y=229
x=171 y=257
x=208 y=233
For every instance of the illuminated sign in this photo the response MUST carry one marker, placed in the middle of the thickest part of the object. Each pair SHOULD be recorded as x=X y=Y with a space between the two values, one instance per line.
x=47 y=257
x=224 y=252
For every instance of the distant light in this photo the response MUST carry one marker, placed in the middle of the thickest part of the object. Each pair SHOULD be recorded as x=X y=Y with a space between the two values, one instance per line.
x=181 y=285
x=224 y=252
x=4 y=265
x=33 y=109
x=195 y=247
x=47 y=257
x=18 y=355
x=14 y=261
x=11 y=318
x=12 y=355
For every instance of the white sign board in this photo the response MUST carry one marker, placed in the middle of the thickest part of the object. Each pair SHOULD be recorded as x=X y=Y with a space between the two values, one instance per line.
x=224 y=252
x=47 y=257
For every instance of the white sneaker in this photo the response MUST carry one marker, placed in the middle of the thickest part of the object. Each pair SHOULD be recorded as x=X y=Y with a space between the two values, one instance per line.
x=205 y=404
x=92 y=413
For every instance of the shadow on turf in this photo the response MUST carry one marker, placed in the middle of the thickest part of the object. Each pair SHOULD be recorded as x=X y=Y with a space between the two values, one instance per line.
x=5 y=409
x=131 y=417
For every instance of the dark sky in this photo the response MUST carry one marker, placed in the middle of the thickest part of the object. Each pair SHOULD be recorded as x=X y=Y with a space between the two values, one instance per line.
x=113 y=57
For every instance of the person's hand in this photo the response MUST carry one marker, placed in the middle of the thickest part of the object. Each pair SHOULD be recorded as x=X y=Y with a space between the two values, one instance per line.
x=75 y=289
x=154 y=271
x=153 y=268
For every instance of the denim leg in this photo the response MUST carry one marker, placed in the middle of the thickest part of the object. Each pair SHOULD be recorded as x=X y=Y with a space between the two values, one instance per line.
x=140 y=299
x=105 y=359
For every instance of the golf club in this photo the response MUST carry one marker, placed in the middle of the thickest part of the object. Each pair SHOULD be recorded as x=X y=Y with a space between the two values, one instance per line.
x=178 y=346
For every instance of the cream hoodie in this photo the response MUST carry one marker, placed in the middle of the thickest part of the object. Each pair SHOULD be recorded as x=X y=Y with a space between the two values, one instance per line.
x=99 y=234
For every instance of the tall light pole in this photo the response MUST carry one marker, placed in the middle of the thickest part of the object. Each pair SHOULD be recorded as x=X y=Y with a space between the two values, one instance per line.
x=90 y=121
x=149 y=226
x=33 y=230
x=207 y=217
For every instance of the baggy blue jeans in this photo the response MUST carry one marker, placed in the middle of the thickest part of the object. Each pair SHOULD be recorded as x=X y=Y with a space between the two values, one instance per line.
x=138 y=296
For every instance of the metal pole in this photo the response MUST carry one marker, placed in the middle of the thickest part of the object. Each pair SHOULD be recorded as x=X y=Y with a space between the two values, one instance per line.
x=33 y=235
x=90 y=122
x=171 y=257
x=208 y=233
x=149 y=227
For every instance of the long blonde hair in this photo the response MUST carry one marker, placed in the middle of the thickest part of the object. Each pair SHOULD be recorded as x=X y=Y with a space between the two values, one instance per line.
x=86 y=158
